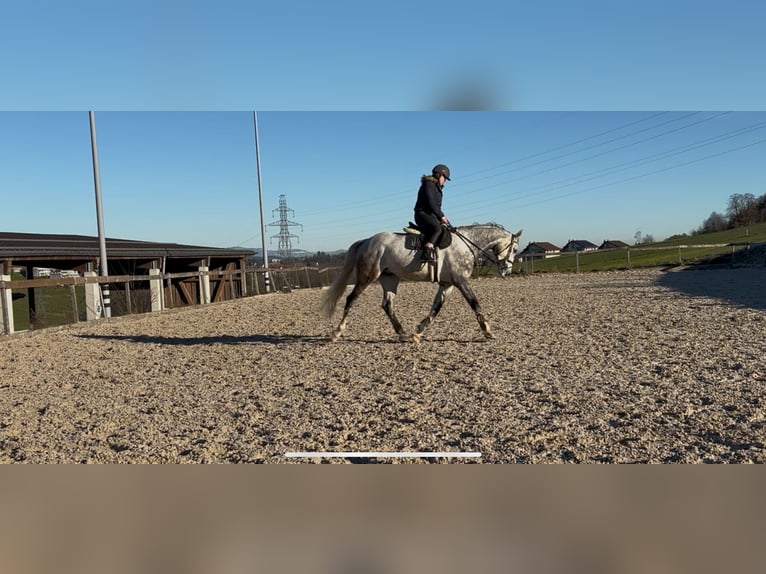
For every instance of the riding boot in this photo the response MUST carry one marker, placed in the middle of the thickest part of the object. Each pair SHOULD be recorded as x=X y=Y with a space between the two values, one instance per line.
x=428 y=254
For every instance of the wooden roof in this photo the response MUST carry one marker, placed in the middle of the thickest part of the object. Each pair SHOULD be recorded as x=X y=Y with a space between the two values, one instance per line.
x=613 y=243
x=69 y=251
x=578 y=245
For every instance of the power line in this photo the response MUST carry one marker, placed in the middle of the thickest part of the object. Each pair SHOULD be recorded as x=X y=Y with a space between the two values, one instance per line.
x=634 y=163
x=460 y=180
x=697 y=160
x=603 y=153
x=388 y=197
x=580 y=141
x=566 y=182
x=390 y=202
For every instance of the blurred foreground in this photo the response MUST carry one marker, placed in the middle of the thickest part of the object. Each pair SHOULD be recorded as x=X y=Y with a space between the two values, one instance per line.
x=382 y=520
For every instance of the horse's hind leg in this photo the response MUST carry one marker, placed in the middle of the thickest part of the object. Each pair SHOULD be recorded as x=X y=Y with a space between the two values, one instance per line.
x=390 y=283
x=366 y=274
x=356 y=291
x=441 y=296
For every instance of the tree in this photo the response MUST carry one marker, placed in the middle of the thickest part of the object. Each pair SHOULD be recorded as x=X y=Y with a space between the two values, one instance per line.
x=760 y=209
x=742 y=209
x=648 y=238
x=714 y=222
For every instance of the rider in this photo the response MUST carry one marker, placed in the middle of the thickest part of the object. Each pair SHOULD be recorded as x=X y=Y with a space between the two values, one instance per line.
x=428 y=209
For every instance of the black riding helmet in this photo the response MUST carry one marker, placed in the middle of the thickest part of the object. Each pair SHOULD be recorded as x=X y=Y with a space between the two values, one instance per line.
x=441 y=169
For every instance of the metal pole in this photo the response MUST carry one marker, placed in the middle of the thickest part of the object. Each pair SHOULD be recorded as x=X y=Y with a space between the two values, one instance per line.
x=100 y=215
x=260 y=203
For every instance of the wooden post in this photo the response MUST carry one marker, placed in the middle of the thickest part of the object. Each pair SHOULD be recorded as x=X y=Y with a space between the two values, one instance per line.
x=242 y=278
x=128 y=302
x=308 y=277
x=75 y=311
x=155 y=288
x=171 y=294
x=31 y=302
x=7 y=315
x=628 y=251
x=203 y=285
x=93 y=307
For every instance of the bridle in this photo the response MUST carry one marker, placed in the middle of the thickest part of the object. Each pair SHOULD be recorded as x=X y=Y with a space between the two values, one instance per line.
x=487 y=254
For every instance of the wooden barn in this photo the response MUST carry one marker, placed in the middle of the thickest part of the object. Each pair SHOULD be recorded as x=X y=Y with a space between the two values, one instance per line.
x=72 y=256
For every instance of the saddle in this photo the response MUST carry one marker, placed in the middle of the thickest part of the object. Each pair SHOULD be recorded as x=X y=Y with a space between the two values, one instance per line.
x=413 y=237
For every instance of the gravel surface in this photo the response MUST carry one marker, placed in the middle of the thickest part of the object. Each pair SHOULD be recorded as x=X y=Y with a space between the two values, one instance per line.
x=618 y=367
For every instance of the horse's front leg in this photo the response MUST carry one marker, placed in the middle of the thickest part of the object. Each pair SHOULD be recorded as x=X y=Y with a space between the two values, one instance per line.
x=441 y=296
x=470 y=296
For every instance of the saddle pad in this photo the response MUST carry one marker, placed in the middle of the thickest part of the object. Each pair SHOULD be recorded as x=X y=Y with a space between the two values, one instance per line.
x=412 y=241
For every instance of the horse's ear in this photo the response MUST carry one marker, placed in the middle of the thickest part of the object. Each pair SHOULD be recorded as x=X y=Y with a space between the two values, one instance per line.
x=518 y=233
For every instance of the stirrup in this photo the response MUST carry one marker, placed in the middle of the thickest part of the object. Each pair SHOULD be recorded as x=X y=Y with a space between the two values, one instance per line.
x=428 y=254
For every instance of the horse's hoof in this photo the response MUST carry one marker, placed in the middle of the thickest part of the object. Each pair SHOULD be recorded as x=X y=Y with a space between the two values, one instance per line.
x=404 y=337
x=488 y=336
x=334 y=337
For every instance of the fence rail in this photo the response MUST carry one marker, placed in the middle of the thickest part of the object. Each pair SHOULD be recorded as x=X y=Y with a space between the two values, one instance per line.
x=629 y=257
x=63 y=300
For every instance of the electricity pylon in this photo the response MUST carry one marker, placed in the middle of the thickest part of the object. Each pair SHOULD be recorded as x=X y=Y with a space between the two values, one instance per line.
x=284 y=224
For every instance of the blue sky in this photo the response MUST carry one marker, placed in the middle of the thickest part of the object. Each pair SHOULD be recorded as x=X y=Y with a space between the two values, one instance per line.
x=190 y=177
x=355 y=55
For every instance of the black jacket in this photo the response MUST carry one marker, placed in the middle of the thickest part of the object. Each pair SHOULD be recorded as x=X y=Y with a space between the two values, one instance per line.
x=430 y=197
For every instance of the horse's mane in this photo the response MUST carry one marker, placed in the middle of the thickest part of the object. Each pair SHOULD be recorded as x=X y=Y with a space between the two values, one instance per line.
x=488 y=224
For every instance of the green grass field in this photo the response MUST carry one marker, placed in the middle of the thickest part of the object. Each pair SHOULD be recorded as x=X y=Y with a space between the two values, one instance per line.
x=54 y=306
x=678 y=251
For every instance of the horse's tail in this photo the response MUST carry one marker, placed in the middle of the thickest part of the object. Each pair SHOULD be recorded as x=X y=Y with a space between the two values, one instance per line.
x=338 y=287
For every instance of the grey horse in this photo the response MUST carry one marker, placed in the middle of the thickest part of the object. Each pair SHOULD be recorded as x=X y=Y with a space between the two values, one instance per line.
x=386 y=258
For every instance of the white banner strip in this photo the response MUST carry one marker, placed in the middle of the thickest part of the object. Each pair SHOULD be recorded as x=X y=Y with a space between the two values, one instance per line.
x=382 y=454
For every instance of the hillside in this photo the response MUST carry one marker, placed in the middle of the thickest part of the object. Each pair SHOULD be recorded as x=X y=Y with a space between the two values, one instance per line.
x=751 y=234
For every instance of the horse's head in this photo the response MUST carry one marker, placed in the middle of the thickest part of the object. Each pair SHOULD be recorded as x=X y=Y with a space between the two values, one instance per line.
x=505 y=253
